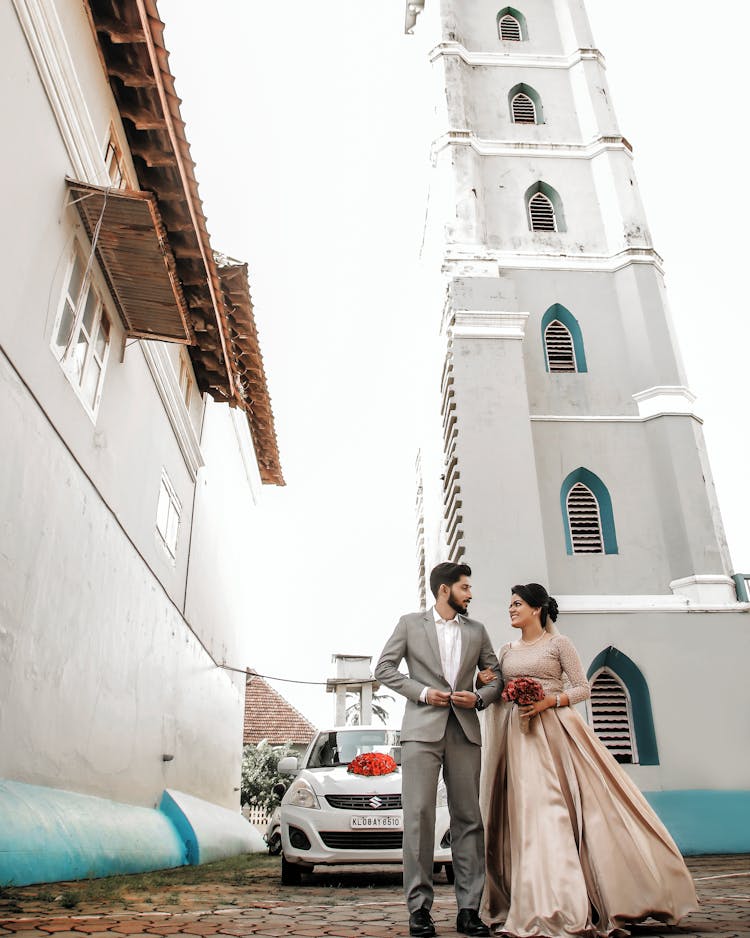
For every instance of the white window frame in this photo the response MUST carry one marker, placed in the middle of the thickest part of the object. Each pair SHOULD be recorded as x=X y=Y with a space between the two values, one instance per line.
x=541 y=195
x=522 y=94
x=168 y=515
x=572 y=348
x=508 y=16
x=629 y=706
x=598 y=519
x=67 y=349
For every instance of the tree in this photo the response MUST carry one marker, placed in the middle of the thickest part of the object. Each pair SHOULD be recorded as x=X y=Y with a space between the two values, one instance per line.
x=378 y=709
x=260 y=772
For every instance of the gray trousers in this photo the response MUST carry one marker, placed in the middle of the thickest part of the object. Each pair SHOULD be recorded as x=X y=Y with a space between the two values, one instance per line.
x=461 y=763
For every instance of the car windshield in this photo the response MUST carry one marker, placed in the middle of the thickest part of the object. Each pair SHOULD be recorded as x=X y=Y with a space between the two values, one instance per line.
x=340 y=747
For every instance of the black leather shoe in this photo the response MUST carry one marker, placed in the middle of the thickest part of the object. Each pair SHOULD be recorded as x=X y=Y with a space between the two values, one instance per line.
x=468 y=922
x=421 y=924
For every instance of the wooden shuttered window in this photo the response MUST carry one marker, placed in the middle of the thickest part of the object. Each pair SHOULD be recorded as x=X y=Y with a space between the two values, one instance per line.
x=610 y=716
x=509 y=28
x=541 y=213
x=584 y=520
x=559 y=349
x=523 y=109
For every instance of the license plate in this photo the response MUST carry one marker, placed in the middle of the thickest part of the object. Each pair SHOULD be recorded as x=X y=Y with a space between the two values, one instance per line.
x=369 y=821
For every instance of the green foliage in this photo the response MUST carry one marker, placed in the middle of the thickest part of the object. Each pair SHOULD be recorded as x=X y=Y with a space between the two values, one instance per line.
x=379 y=710
x=260 y=772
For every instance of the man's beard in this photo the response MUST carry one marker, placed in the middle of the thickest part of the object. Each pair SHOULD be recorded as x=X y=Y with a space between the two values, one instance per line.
x=456 y=605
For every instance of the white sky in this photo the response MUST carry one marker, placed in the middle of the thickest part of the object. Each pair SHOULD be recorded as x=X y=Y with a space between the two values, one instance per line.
x=309 y=125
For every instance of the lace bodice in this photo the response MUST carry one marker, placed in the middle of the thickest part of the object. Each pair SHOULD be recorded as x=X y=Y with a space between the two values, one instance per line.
x=547 y=661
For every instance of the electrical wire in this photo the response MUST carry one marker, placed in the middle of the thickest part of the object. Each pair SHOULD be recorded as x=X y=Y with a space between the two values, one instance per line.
x=287 y=680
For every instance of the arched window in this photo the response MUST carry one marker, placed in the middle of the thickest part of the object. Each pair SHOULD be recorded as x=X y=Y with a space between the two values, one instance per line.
x=542 y=213
x=511 y=25
x=620 y=708
x=587 y=514
x=584 y=521
x=558 y=347
x=563 y=341
x=544 y=208
x=509 y=28
x=611 y=719
x=522 y=109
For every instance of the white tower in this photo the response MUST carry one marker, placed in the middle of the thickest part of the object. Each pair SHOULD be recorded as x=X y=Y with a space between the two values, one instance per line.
x=571 y=453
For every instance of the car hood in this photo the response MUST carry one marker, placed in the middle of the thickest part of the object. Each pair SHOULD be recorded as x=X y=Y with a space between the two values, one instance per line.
x=337 y=781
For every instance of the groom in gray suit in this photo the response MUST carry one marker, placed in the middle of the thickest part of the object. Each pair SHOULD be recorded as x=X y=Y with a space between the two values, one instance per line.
x=443 y=650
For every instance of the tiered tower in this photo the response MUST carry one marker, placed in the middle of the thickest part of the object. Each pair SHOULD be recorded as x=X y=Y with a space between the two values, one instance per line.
x=572 y=454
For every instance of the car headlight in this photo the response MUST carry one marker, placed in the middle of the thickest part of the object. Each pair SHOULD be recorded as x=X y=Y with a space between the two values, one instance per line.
x=442 y=795
x=301 y=795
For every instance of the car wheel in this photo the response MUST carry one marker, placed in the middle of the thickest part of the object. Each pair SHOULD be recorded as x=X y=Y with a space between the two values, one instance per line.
x=274 y=844
x=449 y=874
x=291 y=873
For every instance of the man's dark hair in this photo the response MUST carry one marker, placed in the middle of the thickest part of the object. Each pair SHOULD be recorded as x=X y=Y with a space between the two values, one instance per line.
x=448 y=573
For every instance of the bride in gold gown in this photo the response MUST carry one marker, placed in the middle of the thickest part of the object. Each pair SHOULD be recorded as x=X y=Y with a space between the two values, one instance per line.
x=573 y=847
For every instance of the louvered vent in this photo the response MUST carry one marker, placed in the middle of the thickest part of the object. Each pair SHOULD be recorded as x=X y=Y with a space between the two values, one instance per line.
x=523 y=109
x=610 y=716
x=558 y=344
x=510 y=28
x=541 y=213
x=584 y=520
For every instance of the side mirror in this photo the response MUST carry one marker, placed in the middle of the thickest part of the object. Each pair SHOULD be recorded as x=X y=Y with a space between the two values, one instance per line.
x=288 y=765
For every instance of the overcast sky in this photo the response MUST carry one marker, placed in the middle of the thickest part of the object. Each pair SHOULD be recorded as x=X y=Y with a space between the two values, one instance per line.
x=309 y=123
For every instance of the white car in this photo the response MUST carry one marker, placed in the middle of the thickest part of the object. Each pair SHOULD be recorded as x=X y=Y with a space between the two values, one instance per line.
x=330 y=816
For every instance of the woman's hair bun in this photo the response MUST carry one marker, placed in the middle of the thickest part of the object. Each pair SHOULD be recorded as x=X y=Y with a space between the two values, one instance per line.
x=552 y=609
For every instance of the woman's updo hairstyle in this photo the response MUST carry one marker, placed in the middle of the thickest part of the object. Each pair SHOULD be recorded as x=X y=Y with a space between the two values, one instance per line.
x=537 y=597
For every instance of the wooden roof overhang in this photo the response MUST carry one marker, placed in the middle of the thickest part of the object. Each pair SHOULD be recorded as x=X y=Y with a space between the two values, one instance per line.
x=248 y=364
x=127 y=232
x=130 y=38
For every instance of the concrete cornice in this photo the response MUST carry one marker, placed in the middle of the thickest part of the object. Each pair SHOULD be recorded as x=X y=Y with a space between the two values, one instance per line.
x=516 y=59
x=477 y=256
x=675 y=399
x=484 y=147
x=640 y=604
x=610 y=418
x=487 y=324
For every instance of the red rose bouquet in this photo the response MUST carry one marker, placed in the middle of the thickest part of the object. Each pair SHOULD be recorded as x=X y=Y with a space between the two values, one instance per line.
x=523 y=691
x=372 y=763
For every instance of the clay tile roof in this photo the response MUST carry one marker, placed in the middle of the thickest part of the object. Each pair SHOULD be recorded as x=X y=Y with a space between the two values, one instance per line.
x=269 y=716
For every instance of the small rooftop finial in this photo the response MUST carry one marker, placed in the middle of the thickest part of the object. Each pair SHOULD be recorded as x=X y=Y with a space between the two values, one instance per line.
x=413 y=9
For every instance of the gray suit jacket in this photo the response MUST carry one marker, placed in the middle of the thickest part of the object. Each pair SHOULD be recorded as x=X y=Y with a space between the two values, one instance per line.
x=415 y=640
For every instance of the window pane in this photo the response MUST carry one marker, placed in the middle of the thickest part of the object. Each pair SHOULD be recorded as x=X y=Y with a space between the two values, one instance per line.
x=162 y=511
x=89 y=311
x=102 y=337
x=78 y=356
x=172 y=525
x=76 y=277
x=66 y=324
x=91 y=382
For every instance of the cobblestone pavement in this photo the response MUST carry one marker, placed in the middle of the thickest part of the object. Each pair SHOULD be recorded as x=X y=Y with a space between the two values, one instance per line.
x=347 y=904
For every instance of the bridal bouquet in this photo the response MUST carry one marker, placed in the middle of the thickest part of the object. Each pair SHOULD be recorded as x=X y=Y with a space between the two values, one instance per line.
x=523 y=691
x=372 y=763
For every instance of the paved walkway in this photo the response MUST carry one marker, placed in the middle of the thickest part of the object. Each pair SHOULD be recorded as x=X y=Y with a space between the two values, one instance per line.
x=344 y=904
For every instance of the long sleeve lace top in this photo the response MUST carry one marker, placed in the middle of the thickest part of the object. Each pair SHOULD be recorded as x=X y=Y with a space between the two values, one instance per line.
x=548 y=661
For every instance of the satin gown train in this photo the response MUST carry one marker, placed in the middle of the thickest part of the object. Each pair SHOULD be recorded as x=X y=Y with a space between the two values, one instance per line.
x=573 y=847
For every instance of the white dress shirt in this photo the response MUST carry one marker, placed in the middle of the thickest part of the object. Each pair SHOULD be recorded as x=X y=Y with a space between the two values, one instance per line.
x=449 y=642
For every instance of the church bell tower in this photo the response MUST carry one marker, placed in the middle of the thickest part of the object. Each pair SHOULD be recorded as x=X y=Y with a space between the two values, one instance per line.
x=571 y=452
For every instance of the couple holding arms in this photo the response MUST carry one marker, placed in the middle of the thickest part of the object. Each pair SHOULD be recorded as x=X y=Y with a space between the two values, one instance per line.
x=565 y=840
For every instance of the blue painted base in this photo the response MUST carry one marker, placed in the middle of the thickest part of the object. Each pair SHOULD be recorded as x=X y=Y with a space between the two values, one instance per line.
x=48 y=835
x=704 y=822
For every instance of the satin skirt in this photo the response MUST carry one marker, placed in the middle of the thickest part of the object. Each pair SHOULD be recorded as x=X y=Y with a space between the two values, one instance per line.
x=573 y=847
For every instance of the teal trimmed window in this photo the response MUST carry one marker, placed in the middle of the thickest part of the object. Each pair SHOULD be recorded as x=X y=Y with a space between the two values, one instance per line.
x=612 y=669
x=563 y=341
x=544 y=208
x=525 y=105
x=511 y=25
x=588 y=518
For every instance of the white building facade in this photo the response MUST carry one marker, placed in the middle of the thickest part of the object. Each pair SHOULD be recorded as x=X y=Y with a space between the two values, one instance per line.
x=571 y=453
x=137 y=434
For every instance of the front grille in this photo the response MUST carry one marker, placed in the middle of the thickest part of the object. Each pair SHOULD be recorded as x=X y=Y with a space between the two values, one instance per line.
x=363 y=840
x=364 y=802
